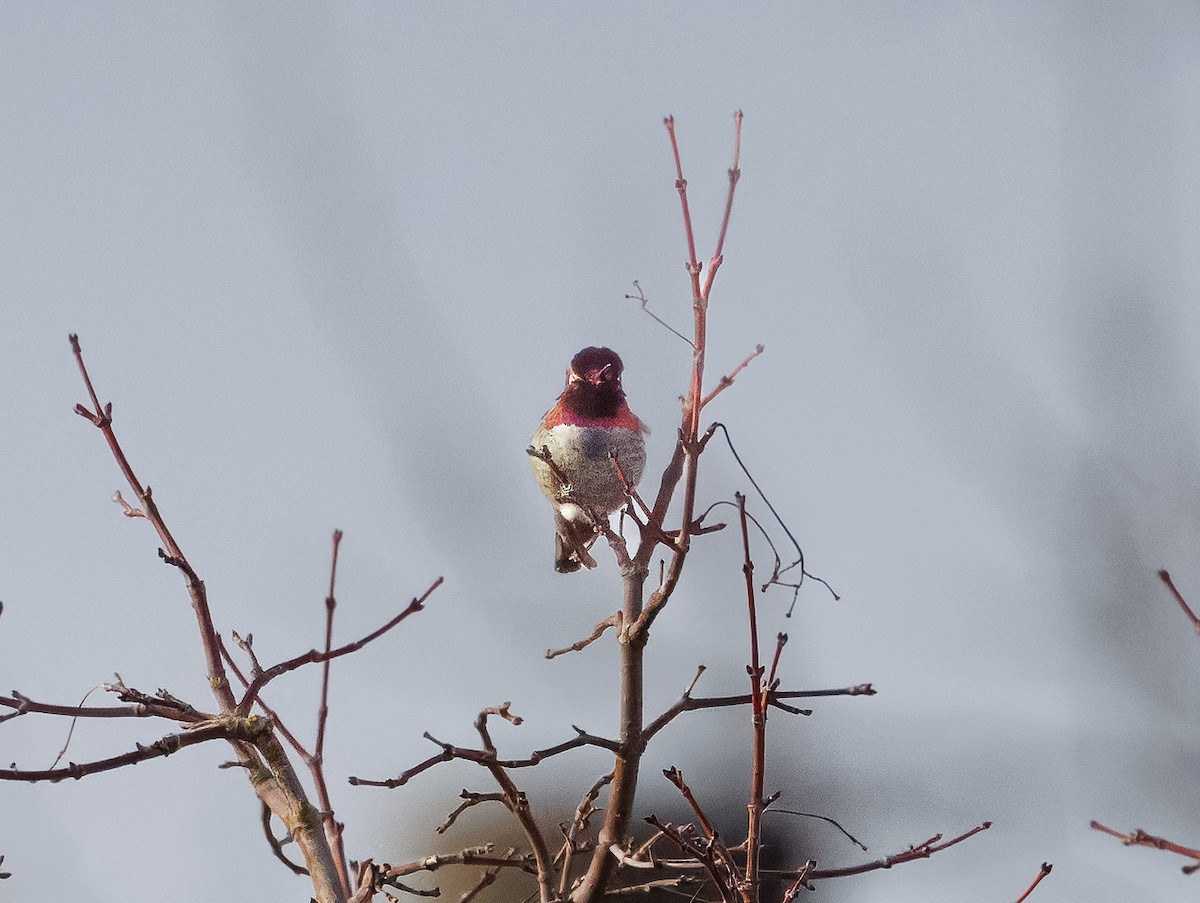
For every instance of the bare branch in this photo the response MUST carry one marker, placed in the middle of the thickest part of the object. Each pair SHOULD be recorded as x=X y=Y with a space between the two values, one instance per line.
x=316 y=762
x=1139 y=838
x=1187 y=609
x=704 y=855
x=480 y=855
x=469 y=799
x=487 y=757
x=610 y=621
x=920 y=851
x=583 y=812
x=726 y=381
x=313 y=656
x=758 y=710
x=800 y=883
x=170 y=553
x=276 y=844
x=735 y=173
x=645 y=302
x=248 y=729
x=694 y=703
x=693 y=265
x=1042 y=873
x=144 y=708
x=330 y=605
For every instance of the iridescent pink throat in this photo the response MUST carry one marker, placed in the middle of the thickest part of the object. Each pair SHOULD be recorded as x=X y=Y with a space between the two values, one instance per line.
x=560 y=415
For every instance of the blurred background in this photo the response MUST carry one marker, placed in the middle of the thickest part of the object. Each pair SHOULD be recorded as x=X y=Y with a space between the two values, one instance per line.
x=329 y=263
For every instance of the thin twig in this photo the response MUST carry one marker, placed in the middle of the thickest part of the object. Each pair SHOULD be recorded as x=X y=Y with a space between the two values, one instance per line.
x=276 y=844
x=583 y=812
x=102 y=419
x=142 y=708
x=610 y=621
x=1187 y=609
x=313 y=656
x=645 y=302
x=1139 y=838
x=480 y=855
x=758 y=710
x=226 y=729
x=469 y=800
x=1042 y=873
x=704 y=855
x=735 y=173
x=923 y=850
x=726 y=381
x=316 y=762
x=487 y=757
x=825 y=818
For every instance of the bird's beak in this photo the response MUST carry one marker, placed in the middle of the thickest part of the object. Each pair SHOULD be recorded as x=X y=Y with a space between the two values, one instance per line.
x=595 y=377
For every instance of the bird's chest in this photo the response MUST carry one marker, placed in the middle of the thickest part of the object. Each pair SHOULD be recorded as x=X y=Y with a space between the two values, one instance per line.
x=576 y=447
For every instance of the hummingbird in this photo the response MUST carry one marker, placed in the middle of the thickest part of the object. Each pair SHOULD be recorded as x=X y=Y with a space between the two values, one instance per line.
x=588 y=432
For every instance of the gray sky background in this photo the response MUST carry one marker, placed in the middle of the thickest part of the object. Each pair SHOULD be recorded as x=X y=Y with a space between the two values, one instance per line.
x=329 y=263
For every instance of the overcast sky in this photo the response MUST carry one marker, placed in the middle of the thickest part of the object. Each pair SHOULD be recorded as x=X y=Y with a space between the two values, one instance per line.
x=329 y=263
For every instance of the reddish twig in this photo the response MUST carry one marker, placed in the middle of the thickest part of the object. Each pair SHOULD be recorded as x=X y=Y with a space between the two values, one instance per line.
x=693 y=265
x=726 y=381
x=142 y=707
x=101 y=418
x=610 y=621
x=313 y=656
x=675 y=776
x=1042 y=873
x=695 y=703
x=780 y=641
x=801 y=882
x=758 y=709
x=517 y=802
x=330 y=605
x=924 y=850
x=1139 y=838
x=224 y=729
x=571 y=843
x=702 y=855
x=1187 y=609
x=316 y=762
x=735 y=173
x=469 y=800
x=486 y=757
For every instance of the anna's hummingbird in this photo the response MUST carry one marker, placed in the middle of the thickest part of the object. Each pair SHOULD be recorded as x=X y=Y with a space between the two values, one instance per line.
x=588 y=426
